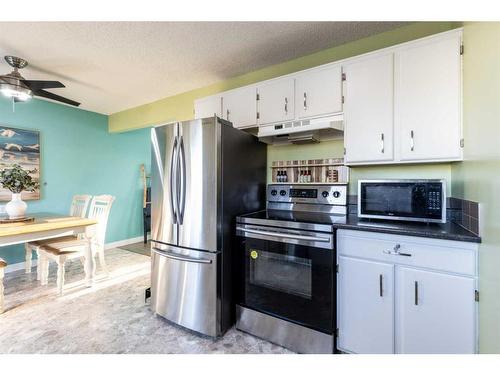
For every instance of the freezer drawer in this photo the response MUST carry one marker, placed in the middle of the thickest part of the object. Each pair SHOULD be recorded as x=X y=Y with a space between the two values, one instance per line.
x=184 y=288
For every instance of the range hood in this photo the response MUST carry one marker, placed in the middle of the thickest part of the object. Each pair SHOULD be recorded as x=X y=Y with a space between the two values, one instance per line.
x=303 y=131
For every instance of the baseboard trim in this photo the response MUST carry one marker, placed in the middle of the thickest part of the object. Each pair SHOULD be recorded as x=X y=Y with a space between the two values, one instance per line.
x=128 y=241
x=110 y=245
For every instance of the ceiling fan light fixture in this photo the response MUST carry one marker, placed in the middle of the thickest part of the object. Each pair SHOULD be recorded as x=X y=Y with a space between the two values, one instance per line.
x=18 y=93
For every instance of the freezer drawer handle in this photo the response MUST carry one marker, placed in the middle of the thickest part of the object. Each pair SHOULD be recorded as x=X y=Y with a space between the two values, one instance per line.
x=184 y=258
x=283 y=235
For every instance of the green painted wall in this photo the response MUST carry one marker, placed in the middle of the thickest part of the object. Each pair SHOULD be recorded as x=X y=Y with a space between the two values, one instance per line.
x=478 y=177
x=79 y=155
x=180 y=107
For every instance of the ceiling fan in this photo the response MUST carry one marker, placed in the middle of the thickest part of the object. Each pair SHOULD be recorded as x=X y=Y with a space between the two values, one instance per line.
x=13 y=85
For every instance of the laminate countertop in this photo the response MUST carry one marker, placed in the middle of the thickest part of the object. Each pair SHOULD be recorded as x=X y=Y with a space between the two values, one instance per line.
x=447 y=231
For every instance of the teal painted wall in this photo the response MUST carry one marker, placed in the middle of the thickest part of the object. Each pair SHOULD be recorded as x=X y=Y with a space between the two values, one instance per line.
x=79 y=156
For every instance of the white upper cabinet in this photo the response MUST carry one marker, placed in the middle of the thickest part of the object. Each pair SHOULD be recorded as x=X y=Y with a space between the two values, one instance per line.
x=276 y=101
x=207 y=107
x=240 y=106
x=318 y=92
x=435 y=313
x=365 y=306
x=368 y=109
x=428 y=99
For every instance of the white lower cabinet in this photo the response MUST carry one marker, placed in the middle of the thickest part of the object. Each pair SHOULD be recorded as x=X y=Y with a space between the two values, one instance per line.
x=435 y=312
x=366 y=306
x=397 y=294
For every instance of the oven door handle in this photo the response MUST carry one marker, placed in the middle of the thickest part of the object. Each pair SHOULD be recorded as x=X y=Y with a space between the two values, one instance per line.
x=283 y=235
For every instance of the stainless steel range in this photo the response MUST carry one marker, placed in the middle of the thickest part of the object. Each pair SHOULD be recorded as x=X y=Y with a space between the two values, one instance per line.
x=286 y=263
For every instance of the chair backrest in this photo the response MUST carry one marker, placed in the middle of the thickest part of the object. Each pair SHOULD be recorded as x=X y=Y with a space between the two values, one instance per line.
x=79 y=205
x=100 y=206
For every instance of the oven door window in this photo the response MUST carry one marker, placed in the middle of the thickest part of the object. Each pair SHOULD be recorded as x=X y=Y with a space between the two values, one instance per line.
x=289 y=281
x=281 y=272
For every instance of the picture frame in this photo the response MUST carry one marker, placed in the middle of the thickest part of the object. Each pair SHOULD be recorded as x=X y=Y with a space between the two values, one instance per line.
x=20 y=146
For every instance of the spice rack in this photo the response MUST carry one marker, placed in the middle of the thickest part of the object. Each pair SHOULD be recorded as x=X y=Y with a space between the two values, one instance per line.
x=322 y=171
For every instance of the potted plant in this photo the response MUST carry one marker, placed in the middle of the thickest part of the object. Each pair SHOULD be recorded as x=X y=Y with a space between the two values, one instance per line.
x=17 y=180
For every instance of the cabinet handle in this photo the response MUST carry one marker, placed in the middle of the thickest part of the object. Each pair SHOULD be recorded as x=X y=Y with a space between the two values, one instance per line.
x=305 y=102
x=412 y=141
x=380 y=281
x=227 y=115
x=416 y=293
x=286 y=105
x=382 y=143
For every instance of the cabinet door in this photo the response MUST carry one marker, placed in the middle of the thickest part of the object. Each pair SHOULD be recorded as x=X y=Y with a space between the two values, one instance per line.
x=207 y=107
x=435 y=312
x=365 y=306
x=319 y=92
x=428 y=100
x=240 y=106
x=276 y=101
x=368 y=110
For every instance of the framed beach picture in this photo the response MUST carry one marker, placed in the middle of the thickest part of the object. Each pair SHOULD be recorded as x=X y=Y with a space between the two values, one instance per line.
x=20 y=146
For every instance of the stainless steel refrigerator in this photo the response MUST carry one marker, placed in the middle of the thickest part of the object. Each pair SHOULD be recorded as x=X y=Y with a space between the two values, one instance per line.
x=203 y=174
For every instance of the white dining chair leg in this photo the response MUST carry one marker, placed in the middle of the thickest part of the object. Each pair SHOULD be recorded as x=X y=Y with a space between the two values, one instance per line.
x=27 y=264
x=102 y=262
x=39 y=266
x=1 y=289
x=60 y=274
x=44 y=269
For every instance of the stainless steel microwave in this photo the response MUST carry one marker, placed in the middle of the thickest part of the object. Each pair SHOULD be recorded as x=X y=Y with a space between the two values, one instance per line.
x=409 y=200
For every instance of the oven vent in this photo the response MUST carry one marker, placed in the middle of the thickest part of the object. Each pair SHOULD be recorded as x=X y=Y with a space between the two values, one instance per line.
x=303 y=131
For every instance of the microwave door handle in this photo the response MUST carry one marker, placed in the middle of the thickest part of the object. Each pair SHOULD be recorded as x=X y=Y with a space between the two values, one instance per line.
x=284 y=235
x=183 y=258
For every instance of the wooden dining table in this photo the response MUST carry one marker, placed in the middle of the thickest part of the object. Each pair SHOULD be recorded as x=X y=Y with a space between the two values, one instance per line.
x=47 y=225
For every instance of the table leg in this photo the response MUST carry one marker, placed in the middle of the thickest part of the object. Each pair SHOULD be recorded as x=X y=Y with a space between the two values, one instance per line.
x=27 y=263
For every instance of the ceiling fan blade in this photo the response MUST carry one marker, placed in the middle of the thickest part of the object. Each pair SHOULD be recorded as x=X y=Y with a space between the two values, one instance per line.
x=49 y=95
x=35 y=85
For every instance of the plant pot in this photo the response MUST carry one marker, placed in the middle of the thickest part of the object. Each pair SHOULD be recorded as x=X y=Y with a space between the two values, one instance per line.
x=16 y=208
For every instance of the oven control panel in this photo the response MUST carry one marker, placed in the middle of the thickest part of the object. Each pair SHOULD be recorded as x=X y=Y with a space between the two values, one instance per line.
x=316 y=194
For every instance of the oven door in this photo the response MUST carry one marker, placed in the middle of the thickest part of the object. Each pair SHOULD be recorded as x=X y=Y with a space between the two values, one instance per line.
x=288 y=274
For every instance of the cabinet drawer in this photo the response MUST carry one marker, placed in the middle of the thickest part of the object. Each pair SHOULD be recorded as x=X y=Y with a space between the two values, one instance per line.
x=441 y=255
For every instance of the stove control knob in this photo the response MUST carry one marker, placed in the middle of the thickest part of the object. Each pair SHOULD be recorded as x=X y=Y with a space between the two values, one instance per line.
x=282 y=192
x=274 y=192
x=325 y=194
x=336 y=194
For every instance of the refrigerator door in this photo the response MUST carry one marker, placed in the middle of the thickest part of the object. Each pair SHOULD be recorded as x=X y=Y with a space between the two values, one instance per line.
x=199 y=176
x=184 y=287
x=164 y=183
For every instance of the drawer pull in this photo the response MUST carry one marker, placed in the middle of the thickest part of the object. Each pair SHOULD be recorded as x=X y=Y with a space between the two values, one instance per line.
x=395 y=251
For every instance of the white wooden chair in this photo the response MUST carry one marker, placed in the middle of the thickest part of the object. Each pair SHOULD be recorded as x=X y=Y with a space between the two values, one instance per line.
x=62 y=251
x=3 y=264
x=79 y=206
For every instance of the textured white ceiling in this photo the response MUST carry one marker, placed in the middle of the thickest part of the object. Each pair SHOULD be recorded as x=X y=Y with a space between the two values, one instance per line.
x=112 y=66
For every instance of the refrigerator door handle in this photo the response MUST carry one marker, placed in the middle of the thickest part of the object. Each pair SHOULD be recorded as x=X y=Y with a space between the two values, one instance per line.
x=182 y=180
x=182 y=258
x=173 y=184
